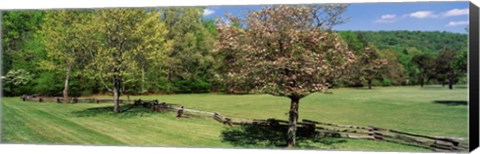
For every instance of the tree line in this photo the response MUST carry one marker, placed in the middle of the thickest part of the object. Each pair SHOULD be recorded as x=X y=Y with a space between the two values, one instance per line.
x=411 y=57
x=34 y=44
x=165 y=50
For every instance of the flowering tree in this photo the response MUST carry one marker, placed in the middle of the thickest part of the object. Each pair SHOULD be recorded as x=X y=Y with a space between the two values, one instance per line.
x=285 y=51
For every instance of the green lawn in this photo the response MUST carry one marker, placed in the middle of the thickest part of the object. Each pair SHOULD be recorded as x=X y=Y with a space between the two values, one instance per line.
x=431 y=110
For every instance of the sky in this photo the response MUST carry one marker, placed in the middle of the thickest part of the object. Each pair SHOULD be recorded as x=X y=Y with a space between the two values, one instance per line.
x=422 y=16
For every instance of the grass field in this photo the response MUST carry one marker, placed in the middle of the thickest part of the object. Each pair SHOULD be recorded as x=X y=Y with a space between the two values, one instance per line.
x=430 y=110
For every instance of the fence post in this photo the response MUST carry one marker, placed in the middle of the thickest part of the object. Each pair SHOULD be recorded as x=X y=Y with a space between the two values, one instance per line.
x=180 y=112
x=75 y=99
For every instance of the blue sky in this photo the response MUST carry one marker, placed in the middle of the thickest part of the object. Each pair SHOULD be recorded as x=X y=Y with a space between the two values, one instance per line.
x=423 y=16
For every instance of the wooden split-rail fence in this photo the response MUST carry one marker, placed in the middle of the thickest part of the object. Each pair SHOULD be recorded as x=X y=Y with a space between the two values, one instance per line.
x=72 y=99
x=435 y=143
x=323 y=129
x=305 y=127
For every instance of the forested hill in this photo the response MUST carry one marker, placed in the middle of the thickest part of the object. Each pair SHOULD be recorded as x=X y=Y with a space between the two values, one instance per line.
x=427 y=41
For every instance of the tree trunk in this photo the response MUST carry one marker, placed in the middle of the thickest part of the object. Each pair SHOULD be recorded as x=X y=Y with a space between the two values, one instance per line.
x=116 y=95
x=292 y=121
x=450 y=83
x=143 y=79
x=421 y=82
x=65 y=89
x=369 y=84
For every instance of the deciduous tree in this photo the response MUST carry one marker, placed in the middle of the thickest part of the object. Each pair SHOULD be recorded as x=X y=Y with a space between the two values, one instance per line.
x=393 y=70
x=371 y=64
x=123 y=35
x=286 y=51
x=65 y=42
x=18 y=31
x=450 y=66
x=190 y=61
x=425 y=65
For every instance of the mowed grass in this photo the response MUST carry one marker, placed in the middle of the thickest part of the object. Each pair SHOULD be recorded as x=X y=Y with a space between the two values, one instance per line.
x=430 y=110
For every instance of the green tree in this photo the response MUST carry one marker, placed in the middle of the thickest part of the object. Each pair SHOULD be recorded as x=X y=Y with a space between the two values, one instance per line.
x=450 y=66
x=18 y=31
x=190 y=62
x=286 y=51
x=371 y=64
x=358 y=44
x=393 y=71
x=425 y=64
x=123 y=35
x=355 y=41
x=411 y=70
x=65 y=43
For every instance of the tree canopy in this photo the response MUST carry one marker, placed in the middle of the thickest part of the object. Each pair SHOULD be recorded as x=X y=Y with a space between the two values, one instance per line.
x=123 y=35
x=192 y=64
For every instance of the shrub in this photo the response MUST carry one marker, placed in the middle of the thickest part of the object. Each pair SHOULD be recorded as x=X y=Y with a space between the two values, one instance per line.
x=387 y=82
x=15 y=82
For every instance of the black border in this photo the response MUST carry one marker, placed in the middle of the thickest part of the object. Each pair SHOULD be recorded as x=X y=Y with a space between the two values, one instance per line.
x=473 y=76
x=1 y=72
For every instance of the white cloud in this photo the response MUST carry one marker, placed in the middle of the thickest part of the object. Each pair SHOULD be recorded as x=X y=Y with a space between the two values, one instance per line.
x=207 y=12
x=423 y=14
x=456 y=23
x=391 y=18
x=431 y=14
x=384 y=21
x=456 y=12
x=388 y=16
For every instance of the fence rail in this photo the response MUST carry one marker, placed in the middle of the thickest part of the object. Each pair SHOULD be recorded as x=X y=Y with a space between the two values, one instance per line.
x=435 y=143
x=71 y=99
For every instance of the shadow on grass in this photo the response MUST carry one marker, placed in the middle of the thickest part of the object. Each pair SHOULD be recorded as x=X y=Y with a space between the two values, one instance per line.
x=451 y=102
x=440 y=87
x=127 y=111
x=362 y=88
x=256 y=136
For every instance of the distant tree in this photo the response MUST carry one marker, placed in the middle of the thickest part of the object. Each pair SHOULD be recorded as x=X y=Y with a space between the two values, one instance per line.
x=423 y=41
x=18 y=31
x=450 y=66
x=362 y=71
x=411 y=70
x=362 y=39
x=461 y=62
x=393 y=70
x=190 y=62
x=425 y=64
x=122 y=35
x=370 y=64
x=355 y=41
x=286 y=51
